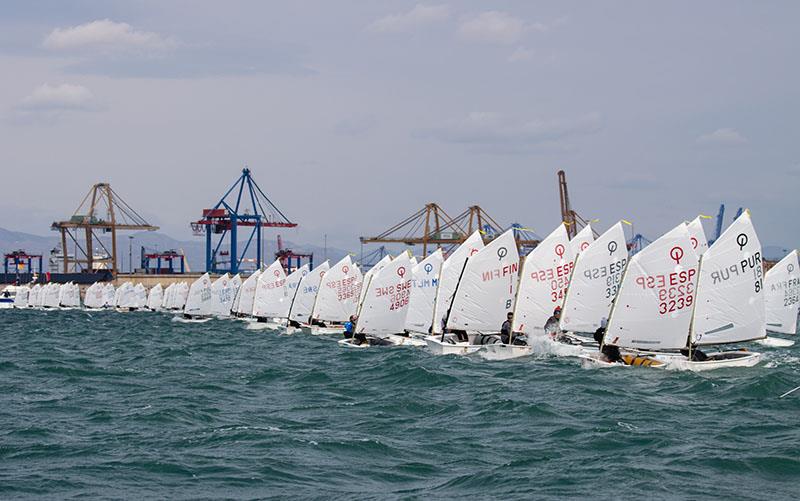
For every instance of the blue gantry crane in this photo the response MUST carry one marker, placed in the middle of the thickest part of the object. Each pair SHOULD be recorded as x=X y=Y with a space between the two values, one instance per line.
x=243 y=205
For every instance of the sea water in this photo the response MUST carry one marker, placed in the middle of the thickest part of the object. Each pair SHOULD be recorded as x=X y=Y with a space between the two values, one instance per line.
x=133 y=405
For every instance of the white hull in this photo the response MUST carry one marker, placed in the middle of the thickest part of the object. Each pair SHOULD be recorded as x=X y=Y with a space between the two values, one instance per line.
x=594 y=362
x=437 y=347
x=501 y=351
x=717 y=360
x=398 y=340
x=318 y=330
x=259 y=326
x=775 y=342
x=194 y=320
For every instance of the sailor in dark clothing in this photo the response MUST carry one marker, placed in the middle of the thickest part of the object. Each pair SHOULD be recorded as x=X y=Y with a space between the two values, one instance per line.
x=610 y=352
x=505 y=330
x=697 y=355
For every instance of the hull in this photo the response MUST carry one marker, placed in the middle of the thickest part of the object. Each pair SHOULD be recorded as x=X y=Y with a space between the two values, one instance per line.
x=594 y=361
x=318 y=330
x=194 y=320
x=270 y=325
x=437 y=347
x=775 y=342
x=717 y=360
x=398 y=340
x=501 y=351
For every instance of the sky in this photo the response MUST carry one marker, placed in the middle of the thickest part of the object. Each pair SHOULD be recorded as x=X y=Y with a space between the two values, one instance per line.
x=353 y=115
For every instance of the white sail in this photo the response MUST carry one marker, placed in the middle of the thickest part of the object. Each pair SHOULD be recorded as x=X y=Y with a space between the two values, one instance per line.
x=217 y=288
x=582 y=240
x=730 y=288
x=109 y=293
x=448 y=277
x=595 y=281
x=338 y=293
x=782 y=295
x=155 y=297
x=62 y=293
x=70 y=295
x=698 y=236
x=271 y=292
x=385 y=304
x=248 y=294
x=653 y=308
x=167 y=296
x=307 y=290
x=292 y=287
x=95 y=296
x=543 y=281
x=181 y=296
x=198 y=302
x=485 y=294
x=22 y=296
x=140 y=296
x=371 y=272
x=51 y=296
x=424 y=284
x=34 y=296
x=124 y=297
x=228 y=295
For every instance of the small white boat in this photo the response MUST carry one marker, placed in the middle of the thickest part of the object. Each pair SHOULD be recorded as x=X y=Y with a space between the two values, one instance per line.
x=482 y=299
x=715 y=360
x=500 y=351
x=424 y=284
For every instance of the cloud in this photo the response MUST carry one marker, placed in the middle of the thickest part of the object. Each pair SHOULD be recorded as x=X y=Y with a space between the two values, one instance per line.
x=496 y=132
x=49 y=103
x=726 y=136
x=496 y=27
x=521 y=54
x=59 y=97
x=421 y=15
x=106 y=35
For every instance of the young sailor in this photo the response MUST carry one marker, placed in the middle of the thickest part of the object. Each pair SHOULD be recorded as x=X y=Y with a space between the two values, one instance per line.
x=350 y=327
x=551 y=327
x=505 y=330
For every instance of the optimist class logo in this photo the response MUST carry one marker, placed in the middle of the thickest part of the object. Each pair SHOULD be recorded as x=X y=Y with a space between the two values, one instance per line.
x=401 y=271
x=501 y=253
x=790 y=268
x=345 y=269
x=584 y=245
x=676 y=253
x=694 y=243
x=560 y=251
x=276 y=273
x=472 y=252
x=741 y=240
x=612 y=246
x=428 y=268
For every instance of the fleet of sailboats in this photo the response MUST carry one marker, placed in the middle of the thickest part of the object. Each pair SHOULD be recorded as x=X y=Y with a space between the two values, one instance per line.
x=584 y=297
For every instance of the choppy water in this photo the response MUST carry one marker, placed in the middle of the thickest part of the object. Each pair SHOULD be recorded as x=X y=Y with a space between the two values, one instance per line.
x=134 y=405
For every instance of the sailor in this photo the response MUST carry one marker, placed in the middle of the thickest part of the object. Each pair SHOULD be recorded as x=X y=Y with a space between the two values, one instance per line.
x=610 y=352
x=350 y=327
x=551 y=327
x=505 y=330
x=697 y=355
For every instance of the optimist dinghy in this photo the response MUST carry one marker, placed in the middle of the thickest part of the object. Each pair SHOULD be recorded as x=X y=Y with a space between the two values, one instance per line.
x=483 y=297
x=382 y=315
x=782 y=300
x=198 y=303
x=271 y=299
x=95 y=298
x=542 y=283
x=155 y=297
x=729 y=303
x=653 y=308
x=337 y=298
x=304 y=299
x=449 y=276
x=243 y=304
x=21 y=297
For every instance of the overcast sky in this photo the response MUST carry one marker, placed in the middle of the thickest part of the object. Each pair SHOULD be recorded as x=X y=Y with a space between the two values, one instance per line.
x=352 y=115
